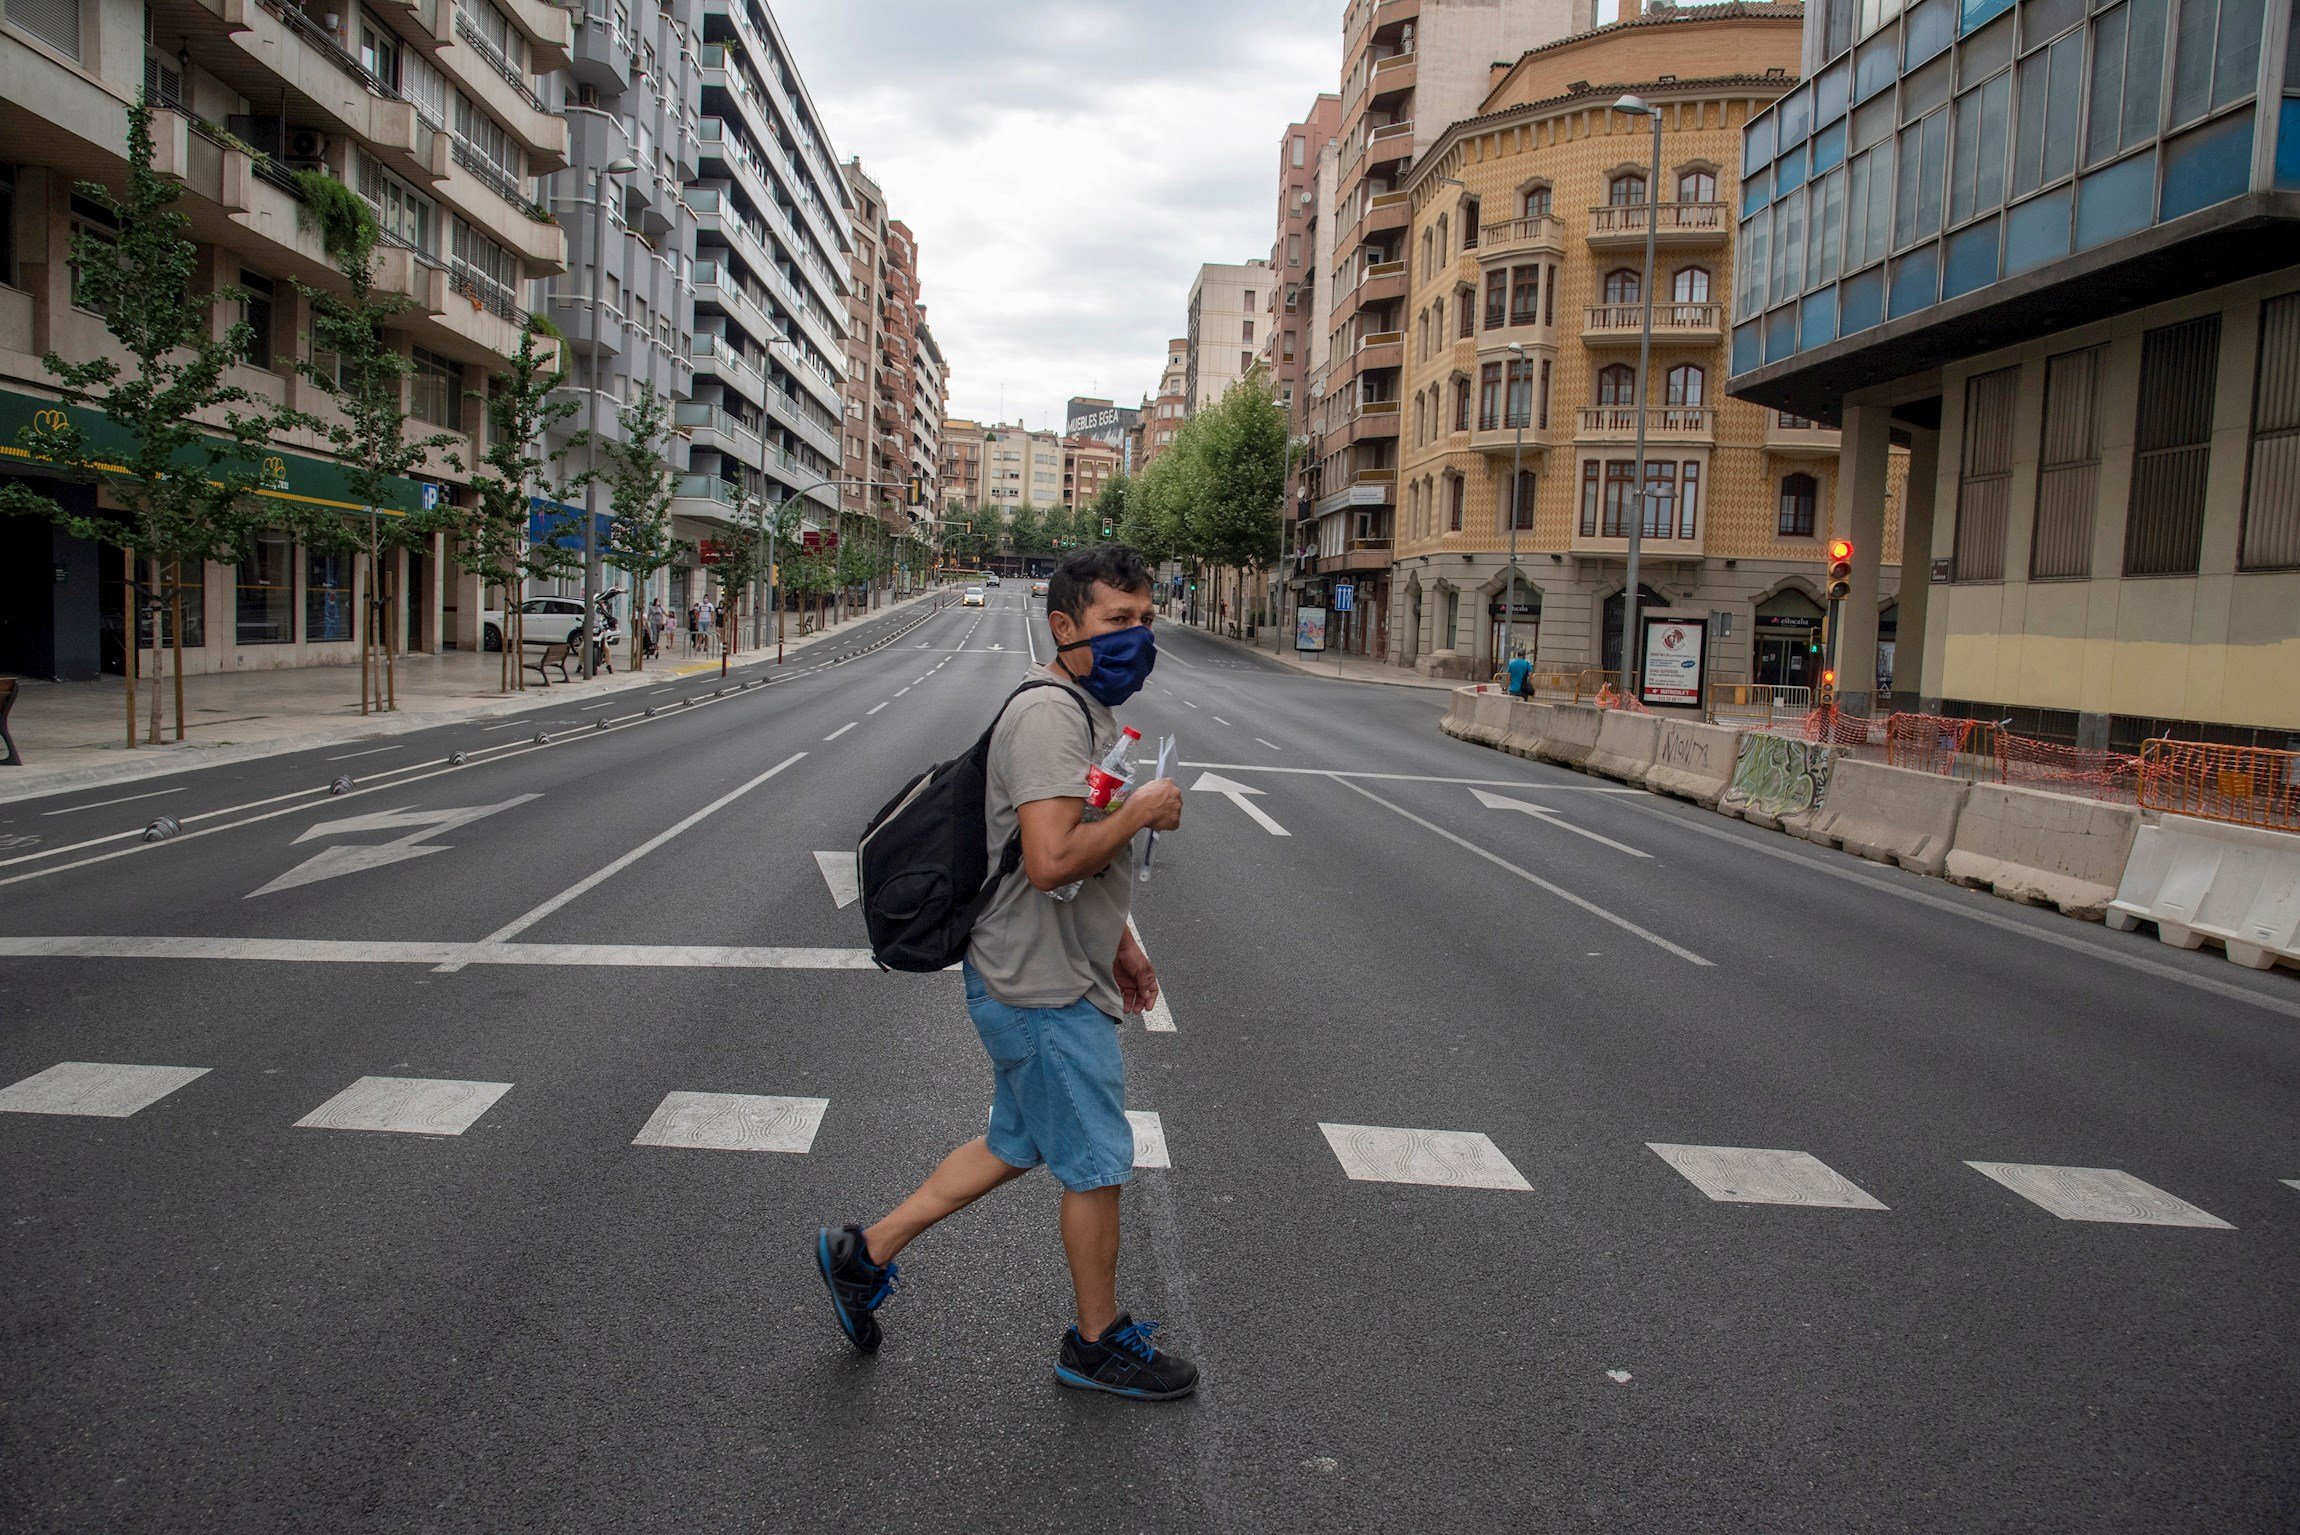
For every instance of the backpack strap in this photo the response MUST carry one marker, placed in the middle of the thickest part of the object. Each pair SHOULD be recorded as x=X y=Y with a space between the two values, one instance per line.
x=1011 y=858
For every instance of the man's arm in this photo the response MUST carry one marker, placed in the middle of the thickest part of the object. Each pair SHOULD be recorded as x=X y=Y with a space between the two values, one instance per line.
x=1060 y=846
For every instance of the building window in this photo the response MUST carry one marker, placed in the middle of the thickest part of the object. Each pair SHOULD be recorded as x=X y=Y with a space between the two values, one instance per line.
x=1696 y=187
x=435 y=390
x=2068 y=469
x=1521 y=501
x=1542 y=418
x=1978 y=183
x=1520 y=408
x=1467 y=313
x=1617 y=489
x=2217 y=57
x=1444 y=241
x=1496 y=300
x=257 y=308
x=1245 y=362
x=327 y=598
x=54 y=22
x=266 y=590
x=1457 y=498
x=1461 y=404
x=1524 y=295
x=1537 y=202
x=1622 y=286
x=2127 y=79
x=91 y=222
x=1617 y=384
x=1489 y=397
x=2271 y=537
x=1800 y=505
x=1625 y=191
x=1297 y=147
x=2051 y=89
x=1688 y=386
x=1469 y=223
x=2164 y=527
x=1984 y=487
x=1249 y=304
x=182 y=588
x=1690 y=285
x=1249 y=332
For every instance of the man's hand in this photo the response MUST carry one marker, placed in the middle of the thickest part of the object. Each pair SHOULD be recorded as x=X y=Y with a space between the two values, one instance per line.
x=1157 y=804
x=1137 y=982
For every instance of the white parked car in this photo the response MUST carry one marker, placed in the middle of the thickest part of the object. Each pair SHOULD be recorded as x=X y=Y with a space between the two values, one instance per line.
x=972 y=599
x=550 y=621
x=1038 y=588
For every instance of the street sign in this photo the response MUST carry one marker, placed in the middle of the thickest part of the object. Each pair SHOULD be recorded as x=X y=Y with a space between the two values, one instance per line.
x=430 y=495
x=1345 y=597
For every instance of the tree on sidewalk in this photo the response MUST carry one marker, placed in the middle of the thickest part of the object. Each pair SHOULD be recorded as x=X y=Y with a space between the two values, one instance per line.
x=185 y=482
x=491 y=533
x=640 y=487
x=355 y=363
x=1240 y=449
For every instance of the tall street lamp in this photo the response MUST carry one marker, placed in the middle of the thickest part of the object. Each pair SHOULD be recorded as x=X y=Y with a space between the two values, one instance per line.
x=1516 y=485
x=621 y=165
x=1635 y=106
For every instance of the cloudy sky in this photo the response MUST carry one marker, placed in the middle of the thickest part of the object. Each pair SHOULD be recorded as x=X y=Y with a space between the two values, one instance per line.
x=1065 y=167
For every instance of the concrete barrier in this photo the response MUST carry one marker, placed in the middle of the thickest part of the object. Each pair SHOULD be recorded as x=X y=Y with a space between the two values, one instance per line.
x=1625 y=745
x=1693 y=761
x=1570 y=734
x=2043 y=849
x=1890 y=814
x=1527 y=723
x=1460 y=713
x=2200 y=879
x=1778 y=781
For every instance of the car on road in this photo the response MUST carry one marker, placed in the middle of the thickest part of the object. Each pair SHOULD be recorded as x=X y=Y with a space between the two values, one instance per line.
x=972 y=599
x=550 y=620
x=990 y=580
x=1038 y=588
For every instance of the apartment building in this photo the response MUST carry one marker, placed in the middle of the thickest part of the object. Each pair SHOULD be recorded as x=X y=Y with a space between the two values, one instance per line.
x=631 y=90
x=431 y=111
x=1410 y=69
x=930 y=392
x=773 y=235
x=2052 y=248
x=867 y=263
x=1087 y=465
x=1164 y=413
x=881 y=388
x=961 y=478
x=1225 y=310
x=1021 y=467
x=1297 y=303
x=1522 y=396
x=1091 y=416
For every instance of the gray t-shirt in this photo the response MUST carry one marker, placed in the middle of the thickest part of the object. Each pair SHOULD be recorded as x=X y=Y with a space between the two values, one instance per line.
x=1031 y=949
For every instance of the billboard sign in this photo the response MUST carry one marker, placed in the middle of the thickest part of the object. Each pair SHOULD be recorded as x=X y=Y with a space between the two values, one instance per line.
x=1675 y=657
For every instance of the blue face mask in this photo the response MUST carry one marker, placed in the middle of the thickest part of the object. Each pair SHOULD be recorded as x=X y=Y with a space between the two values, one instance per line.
x=1122 y=662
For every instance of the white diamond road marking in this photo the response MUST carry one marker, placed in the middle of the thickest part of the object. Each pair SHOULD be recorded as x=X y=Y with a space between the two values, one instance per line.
x=2290 y=1183
x=1742 y=1176
x=411 y=1105
x=1149 y=1139
x=97 y=1089
x=841 y=875
x=1457 y=1159
x=2097 y=1194
x=734 y=1122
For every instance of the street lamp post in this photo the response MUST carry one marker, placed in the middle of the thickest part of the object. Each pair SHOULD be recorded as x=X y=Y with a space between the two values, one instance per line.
x=1635 y=106
x=621 y=165
x=1516 y=481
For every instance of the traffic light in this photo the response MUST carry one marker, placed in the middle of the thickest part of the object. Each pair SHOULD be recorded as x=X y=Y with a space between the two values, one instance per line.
x=1840 y=569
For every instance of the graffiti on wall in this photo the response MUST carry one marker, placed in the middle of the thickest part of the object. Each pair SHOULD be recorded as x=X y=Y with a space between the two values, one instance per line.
x=1779 y=775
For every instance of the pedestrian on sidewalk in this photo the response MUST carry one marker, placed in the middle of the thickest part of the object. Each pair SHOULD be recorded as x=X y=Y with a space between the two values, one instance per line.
x=1519 y=670
x=1051 y=967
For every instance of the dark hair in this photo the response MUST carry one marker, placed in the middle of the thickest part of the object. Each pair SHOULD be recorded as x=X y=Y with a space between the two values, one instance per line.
x=1114 y=565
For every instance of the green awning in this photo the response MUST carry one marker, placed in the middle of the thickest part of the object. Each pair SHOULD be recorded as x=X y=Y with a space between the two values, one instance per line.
x=291 y=476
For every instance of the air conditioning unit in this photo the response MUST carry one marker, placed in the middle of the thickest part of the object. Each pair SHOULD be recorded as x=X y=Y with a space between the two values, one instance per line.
x=587 y=95
x=306 y=147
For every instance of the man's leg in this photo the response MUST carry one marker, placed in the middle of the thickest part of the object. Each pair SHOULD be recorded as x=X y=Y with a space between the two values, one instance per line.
x=1090 y=1241
x=956 y=1182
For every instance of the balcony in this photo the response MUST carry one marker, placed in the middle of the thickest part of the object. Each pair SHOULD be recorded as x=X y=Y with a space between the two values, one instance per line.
x=477 y=188
x=1671 y=425
x=1386 y=211
x=604 y=47
x=1393 y=142
x=490 y=77
x=707 y=498
x=1502 y=437
x=1372 y=421
x=1382 y=349
x=1384 y=281
x=1624 y=324
x=1681 y=224
x=1538 y=235
x=713 y=426
x=716 y=359
x=1359 y=556
x=1796 y=437
x=1395 y=73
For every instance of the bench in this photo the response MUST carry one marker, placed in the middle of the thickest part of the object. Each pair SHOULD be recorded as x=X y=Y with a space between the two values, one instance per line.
x=8 y=702
x=550 y=655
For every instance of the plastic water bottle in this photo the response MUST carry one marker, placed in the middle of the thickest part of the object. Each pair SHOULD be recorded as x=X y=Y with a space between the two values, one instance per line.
x=1104 y=781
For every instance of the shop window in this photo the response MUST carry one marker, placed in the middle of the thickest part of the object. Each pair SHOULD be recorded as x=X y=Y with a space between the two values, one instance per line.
x=181 y=588
x=1800 y=506
x=327 y=594
x=265 y=591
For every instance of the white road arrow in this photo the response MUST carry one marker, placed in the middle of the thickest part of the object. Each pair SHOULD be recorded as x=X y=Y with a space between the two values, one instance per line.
x=1215 y=783
x=840 y=874
x=331 y=862
x=1493 y=801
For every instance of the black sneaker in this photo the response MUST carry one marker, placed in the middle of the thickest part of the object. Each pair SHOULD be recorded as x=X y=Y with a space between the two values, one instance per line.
x=1123 y=1363
x=858 y=1286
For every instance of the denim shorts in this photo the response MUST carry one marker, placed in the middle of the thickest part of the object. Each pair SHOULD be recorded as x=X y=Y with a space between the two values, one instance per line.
x=1061 y=1094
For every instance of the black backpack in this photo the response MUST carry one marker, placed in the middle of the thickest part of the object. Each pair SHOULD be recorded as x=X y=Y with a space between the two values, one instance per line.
x=924 y=859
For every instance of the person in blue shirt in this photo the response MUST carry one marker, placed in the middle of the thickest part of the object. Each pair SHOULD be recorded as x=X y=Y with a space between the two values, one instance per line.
x=1519 y=670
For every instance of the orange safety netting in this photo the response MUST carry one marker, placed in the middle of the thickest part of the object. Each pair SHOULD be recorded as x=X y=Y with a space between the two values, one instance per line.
x=2244 y=785
x=1981 y=750
x=2091 y=771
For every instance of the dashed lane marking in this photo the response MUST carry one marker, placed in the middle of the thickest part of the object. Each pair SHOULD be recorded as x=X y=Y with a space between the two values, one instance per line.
x=95 y=1089
x=1741 y=1175
x=874 y=708
x=446 y=954
x=2097 y=1194
x=842 y=730
x=406 y=1105
x=373 y=751
x=734 y=1122
x=122 y=800
x=1217 y=719
x=1192 y=705
x=1455 y=1159
x=1492 y=783
x=898 y=692
x=1274 y=746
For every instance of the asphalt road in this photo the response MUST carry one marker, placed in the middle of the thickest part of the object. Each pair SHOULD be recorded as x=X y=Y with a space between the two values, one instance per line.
x=534 y=1317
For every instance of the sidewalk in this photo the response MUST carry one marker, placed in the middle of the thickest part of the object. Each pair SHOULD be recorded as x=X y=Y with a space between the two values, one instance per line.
x=70 y=734
x=1333 y=665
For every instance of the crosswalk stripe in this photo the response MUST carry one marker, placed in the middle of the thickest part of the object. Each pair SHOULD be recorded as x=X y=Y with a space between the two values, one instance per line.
x=734 y=1122
x=1458 y=1159
x=1160 y=1018
x=95 y=1089
x=2097 y=1194
x=1149 y=1138
x=408 y=1105
x=1741 y=1175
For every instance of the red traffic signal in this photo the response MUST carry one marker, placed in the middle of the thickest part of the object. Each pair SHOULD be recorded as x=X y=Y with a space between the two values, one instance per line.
x=1840 y=569
x=1840 y=550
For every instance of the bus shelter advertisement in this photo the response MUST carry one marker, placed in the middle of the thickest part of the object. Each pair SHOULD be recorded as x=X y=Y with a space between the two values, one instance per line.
x=1676 y=651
